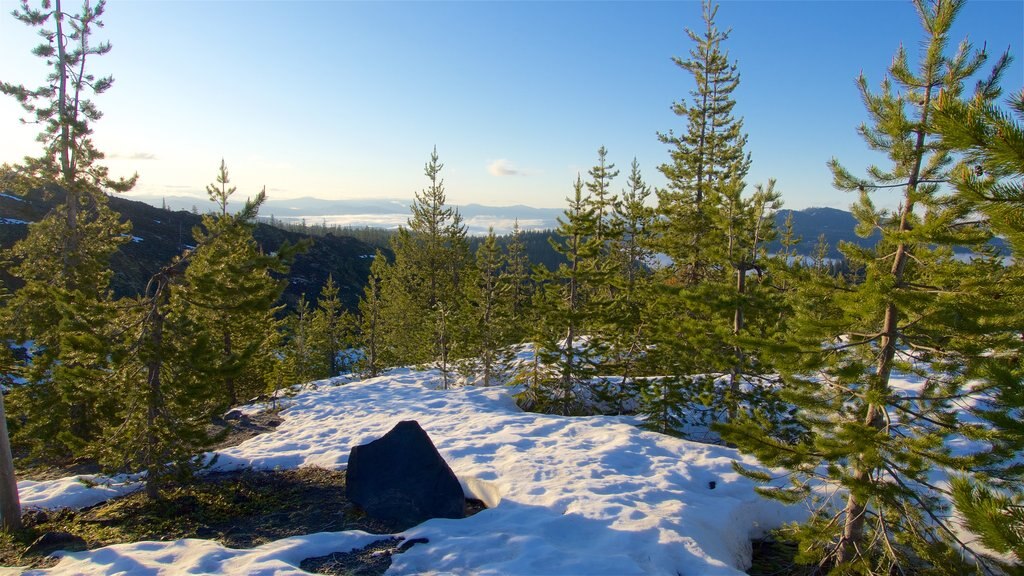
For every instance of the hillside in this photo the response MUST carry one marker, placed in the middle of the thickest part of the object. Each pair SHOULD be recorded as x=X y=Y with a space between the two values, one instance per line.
x=158 y=235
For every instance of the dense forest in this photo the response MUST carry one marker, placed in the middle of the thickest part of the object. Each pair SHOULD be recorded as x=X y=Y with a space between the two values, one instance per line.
x=686 y=305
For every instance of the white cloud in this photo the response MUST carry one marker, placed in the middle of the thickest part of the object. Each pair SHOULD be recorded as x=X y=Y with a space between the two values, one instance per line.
x=134 y=156
x=502 y=167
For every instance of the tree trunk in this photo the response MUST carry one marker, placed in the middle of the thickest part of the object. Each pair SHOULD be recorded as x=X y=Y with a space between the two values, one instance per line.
x=154 y=399
x=737 y=326
x=229 y=382
x=10 y=506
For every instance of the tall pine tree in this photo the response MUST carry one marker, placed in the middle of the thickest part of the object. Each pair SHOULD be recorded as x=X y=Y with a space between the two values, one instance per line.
x=64 y=306
x=917 y=313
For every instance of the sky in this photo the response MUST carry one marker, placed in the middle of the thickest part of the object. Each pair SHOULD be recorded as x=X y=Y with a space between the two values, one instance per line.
x=336 y=99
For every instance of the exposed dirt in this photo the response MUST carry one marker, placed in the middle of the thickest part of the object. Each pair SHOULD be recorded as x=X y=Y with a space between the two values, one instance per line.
x=240 y=509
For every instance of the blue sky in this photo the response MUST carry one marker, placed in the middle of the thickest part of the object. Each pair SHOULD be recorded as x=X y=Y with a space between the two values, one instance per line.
x=346 y=99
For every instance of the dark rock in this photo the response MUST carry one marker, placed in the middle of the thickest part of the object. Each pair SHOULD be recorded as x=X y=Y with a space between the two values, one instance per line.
x=233 y=415
x=401 y=478
x=410 y=543
x=34 y=517
x=52 y=541
x=374 y=559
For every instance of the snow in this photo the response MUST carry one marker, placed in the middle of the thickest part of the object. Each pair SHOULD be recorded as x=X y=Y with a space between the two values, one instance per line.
x=10 y=197
x=74 y=491
x=12 y=221
x=566 y=495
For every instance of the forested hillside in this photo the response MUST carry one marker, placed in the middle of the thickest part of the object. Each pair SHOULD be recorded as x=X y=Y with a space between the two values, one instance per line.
x=158 y=235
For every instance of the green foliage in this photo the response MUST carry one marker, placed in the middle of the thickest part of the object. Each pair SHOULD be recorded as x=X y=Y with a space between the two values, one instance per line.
x=915 y=311
x=64 y=306
x=161 y=378
x=232 y=288
x=332 y=330
x=990 y=177
x=489 y=305
x=421 y=313
x=569 y=302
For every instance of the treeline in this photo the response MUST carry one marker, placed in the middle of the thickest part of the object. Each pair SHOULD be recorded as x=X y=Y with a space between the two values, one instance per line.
x=534 y=243
x=666 y=303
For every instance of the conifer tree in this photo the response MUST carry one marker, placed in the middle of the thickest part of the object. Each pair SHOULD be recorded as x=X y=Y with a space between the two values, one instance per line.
x=517 y=275
x=565 y=342
x=633 y=254
x=300 y=360
x=10 y=505
x=601 y=197
x=422 y=290
x=991 y=178
x=707 y=156
x=161 y=374
x=371 y=329
x=490 y=308
x=331 y=329
x=917 y=311
x=64 y=305
x=230 y=286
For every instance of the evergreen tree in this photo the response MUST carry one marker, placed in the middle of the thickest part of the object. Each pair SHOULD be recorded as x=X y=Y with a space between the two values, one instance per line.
x=371 y=329
x=422 y=291
x=565 y=342
x=10 y=504
x=708 y=156
x=490 y=308
x=991 y=178
x=600 y=196
x=517 y=275
x=161 y=374
x=633 y=256
x=231 y=287
x=748 y=224
x=917 y=311
x=64 y=305
x=331 y=328
x=299 y=362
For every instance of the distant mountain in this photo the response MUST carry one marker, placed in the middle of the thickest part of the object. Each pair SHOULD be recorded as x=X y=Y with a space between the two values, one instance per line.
x=158 y=235
x=837 y=226
x=376 y=212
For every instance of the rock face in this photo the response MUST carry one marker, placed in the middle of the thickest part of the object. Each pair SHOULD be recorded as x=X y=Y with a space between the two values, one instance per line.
x=401 y=478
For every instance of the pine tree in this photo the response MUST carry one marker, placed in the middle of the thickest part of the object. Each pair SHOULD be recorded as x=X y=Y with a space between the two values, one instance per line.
x=422 y=291
x=712 y=234
x=371 y=329
x=64 y=305
x=564 y=341
x=331 y=328
x=489 y=301
x=600 y=196
x=10 y=505
x=231 y=288
x=161 y=374
x=632 y=252
x=300 y=362
x=991 y=177
x=707 y=157
x=918 y=311
x=748 y=224
x=517 y=274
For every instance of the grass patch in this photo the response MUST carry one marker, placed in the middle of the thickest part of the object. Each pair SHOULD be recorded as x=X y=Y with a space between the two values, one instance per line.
x=775 y=557
x=238 y=509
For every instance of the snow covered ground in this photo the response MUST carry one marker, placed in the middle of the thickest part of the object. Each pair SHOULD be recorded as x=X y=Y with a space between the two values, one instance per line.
x=583 y=495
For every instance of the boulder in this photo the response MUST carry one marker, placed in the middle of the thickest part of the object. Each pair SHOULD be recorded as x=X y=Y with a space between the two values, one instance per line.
x=52 y=541
x=402 y=478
